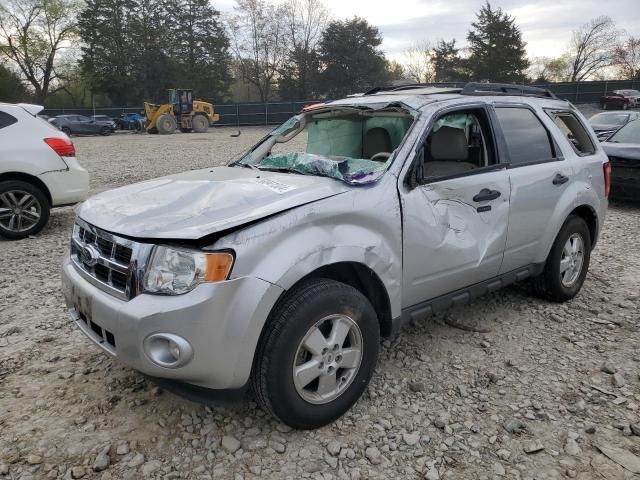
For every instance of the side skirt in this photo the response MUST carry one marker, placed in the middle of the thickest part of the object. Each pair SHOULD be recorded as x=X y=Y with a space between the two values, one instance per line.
x=464 y=295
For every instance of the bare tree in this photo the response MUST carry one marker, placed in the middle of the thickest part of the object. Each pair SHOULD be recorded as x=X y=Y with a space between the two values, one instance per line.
x=257 y=34
x=592 y=48
x=627 y=59
x=546 y=69
x=417 y=62
x=33 y=34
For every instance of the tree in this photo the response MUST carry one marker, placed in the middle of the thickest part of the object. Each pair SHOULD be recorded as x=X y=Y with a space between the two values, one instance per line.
x=626 y=59
x=497 y=49
x=199 y=47
x=258 y=41
x=448 y=66
x=418 y=63
x=33 y=33
x=11 y=87
x=351 y=57
x=304 y=22
x=592 y=48
x=545 y=69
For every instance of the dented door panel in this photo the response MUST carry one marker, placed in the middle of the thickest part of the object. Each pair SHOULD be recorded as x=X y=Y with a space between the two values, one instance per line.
x=448 y=243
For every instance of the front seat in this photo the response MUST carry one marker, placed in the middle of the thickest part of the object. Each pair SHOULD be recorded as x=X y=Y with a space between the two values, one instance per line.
x=376 y=140
x=449 y=153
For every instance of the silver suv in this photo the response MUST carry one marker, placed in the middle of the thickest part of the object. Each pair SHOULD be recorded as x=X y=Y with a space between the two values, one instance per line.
x=282 y=271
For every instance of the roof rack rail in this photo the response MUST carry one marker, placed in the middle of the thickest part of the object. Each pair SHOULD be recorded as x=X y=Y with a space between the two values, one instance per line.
x=474 y=88
x=413 y=86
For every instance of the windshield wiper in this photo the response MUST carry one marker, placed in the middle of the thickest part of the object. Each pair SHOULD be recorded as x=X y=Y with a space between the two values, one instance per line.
x=245 y=165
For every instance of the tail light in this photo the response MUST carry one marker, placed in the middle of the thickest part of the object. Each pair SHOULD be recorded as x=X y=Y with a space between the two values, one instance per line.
x=606 y=168
x=62 y=146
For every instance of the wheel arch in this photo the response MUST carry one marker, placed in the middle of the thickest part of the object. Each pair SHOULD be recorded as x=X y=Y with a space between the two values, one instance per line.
x=589 y=215
x=31 y=179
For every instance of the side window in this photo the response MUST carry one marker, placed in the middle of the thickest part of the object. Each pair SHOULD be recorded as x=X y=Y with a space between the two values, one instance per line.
x=527 y=139
x=6 y=120
x=459 y=142
x=574 y=131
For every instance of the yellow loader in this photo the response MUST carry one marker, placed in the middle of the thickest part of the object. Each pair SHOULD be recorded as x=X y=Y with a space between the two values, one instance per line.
x=181 y=112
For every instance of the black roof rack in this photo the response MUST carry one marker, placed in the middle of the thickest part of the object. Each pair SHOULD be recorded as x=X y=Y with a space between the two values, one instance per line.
x=474 y=88
x=413 y=86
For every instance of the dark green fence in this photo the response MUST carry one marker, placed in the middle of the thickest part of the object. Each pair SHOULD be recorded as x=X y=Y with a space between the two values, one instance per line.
x=275 y=113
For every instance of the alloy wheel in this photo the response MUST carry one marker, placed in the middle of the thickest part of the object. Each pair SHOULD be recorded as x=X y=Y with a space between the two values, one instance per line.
x=328 y=359
x=19 y=211
x=572 y=260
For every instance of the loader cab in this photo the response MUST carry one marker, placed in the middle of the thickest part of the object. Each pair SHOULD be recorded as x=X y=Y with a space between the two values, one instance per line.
x=182 y=101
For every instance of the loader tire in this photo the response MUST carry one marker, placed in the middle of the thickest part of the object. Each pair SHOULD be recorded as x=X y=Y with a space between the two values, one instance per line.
x=166 y=124
x=200 y=124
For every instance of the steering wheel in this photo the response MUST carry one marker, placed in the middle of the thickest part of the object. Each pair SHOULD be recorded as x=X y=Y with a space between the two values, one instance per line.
x=381 y=156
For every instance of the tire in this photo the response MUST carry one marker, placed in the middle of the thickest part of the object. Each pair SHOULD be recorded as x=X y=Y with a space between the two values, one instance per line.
x=14 y=195
x=325 y=303
x=553 y=284
x=105 y=131
x=166 y=124
x=200 y=123
x=66 y=131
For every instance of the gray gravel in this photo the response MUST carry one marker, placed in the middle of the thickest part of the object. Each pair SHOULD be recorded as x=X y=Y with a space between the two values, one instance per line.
x=508 y=387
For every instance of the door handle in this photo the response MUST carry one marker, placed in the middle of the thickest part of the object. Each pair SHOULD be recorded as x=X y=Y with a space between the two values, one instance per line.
x=560 y=179
x=486 y=194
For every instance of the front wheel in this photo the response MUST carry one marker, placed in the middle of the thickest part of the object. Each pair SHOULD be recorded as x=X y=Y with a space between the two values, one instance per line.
x=24 y=209
x=567 y=264
x=317 y=354
x=105 y=131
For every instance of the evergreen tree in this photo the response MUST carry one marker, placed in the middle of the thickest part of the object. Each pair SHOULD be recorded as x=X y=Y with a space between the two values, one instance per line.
x=200 y=48
x=497 y=49
x=11 y=87
x=352 y=59
x=447 y=64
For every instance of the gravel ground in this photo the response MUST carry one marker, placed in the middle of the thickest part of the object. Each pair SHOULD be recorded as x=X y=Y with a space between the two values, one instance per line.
x=507 y=387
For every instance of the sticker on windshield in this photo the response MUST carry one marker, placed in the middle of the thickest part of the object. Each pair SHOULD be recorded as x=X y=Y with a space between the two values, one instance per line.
x=275 y=185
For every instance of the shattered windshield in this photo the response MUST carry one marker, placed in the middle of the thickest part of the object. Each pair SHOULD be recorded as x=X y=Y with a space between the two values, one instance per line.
x=352 y=145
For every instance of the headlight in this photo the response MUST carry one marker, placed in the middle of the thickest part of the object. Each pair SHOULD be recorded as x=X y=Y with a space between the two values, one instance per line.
x=173 y=272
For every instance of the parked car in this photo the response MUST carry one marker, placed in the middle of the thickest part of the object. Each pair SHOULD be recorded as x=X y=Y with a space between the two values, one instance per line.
x=81 y=125
x=106 y=119
x=606 y=124
x=282 y=270
x=130 y=121
x=623 y=149
x=615 y=101
x=632 y=95
x=38 y=171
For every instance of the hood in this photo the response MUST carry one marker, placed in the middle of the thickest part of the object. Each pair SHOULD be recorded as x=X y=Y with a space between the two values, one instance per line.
x=630 y=151
x=193 y=204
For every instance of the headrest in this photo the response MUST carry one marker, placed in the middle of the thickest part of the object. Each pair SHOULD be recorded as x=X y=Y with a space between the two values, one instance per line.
x=449 y=143
x=375 y=141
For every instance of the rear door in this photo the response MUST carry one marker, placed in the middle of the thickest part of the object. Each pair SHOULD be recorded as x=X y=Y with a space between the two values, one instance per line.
x=455 y=212
x=538 y=174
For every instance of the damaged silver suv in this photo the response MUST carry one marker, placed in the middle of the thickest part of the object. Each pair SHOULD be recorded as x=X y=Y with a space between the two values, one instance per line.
x=282 y=271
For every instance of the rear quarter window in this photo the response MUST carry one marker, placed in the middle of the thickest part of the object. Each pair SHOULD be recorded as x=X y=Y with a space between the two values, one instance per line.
x=6 y=120
x=574 y=131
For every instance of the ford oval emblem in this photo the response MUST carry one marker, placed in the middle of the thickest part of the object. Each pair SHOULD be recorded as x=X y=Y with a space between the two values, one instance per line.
x=89 y=255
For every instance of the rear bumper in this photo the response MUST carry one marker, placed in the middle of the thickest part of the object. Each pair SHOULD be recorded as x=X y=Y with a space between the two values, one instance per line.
x=67 y=186
x=221 y=321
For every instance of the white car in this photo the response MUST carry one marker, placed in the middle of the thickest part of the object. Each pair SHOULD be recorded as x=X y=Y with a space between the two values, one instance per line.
x=38 y=171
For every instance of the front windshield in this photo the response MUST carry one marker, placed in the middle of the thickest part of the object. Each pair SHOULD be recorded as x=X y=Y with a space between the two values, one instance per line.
x=609 y=119
x=630 y=133
x=349 y=144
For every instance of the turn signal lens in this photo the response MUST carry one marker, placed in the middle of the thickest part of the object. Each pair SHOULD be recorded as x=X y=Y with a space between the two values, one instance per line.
x=218 y=266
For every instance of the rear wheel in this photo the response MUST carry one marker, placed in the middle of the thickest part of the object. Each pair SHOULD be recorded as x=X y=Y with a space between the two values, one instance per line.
x=66 y=131
x=104 y=131
x=166 y=124
x=317 y=354
x=567 y=264
x=24 y=209
x=200 y=123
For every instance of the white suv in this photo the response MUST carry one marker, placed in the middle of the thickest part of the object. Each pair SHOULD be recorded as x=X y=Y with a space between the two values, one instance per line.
x=38 y=170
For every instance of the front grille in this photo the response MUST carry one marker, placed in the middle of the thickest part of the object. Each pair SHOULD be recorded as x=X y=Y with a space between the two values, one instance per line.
x=106 y=260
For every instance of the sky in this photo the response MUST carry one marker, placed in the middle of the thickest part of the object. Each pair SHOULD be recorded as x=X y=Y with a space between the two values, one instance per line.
x=546 y=24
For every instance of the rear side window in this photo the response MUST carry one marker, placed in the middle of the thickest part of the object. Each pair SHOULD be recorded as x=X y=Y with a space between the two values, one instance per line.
x=527 y=139
x=6 y=120
x=574 y=131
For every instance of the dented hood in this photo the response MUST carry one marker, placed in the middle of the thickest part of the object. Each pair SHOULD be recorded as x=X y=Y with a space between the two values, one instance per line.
x=193 y=204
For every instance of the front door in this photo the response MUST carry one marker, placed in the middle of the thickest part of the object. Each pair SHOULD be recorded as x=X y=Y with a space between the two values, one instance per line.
x=456 y=212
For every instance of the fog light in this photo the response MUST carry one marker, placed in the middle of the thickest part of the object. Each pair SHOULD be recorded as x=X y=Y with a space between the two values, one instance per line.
x=168 y=350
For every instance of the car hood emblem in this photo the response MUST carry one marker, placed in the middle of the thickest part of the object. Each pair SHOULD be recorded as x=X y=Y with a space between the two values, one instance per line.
x=89 y=255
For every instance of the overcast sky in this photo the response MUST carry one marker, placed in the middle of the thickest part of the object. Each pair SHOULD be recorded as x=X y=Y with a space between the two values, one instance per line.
x=546 y=24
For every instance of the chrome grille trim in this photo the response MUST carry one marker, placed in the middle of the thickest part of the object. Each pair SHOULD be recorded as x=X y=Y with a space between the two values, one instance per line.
x=109 y=273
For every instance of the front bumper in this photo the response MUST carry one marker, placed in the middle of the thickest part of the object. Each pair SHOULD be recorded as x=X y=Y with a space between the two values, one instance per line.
x=222 y=322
